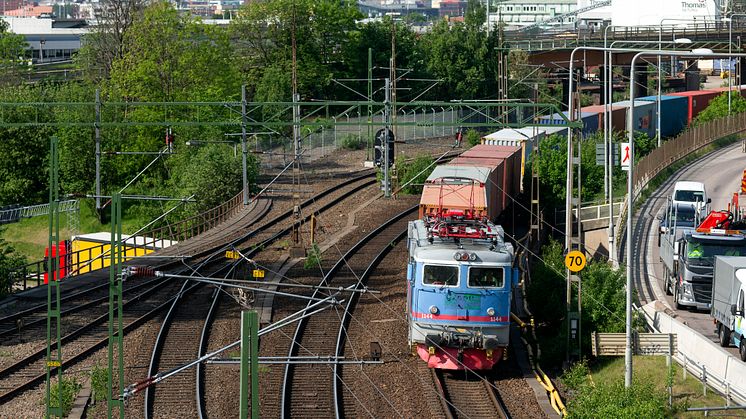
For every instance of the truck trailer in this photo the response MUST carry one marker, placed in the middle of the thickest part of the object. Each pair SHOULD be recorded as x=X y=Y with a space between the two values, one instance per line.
x=728 y=287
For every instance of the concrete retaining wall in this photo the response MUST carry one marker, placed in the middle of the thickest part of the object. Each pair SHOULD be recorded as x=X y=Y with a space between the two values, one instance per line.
x=702 y=357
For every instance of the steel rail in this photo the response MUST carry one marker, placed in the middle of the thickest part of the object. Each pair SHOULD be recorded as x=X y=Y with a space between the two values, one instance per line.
x=209 y=317
x=288 y=376
x=346 y=317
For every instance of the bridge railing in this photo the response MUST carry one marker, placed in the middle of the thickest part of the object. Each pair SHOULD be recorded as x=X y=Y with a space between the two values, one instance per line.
x=589 y=211
x=198 y=224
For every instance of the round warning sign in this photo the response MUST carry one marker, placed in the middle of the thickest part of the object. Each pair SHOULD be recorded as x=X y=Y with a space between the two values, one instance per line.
x=575 y=261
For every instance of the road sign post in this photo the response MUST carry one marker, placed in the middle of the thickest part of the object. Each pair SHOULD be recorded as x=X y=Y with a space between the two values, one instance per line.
x=575 y=261
x=626 y=159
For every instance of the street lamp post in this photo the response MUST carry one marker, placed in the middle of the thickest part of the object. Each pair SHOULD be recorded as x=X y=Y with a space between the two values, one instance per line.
x=730 y=53
x=569 y=168
x=41 y=50
x=660 y=79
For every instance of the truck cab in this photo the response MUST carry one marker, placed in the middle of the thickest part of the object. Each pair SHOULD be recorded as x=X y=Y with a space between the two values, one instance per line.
x=692 y=193
x=694 y=273
x=676 y=222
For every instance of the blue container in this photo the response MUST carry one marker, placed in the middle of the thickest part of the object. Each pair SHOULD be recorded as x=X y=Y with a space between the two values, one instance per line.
x=644 y=119
x=590 y=121
x=674 y=111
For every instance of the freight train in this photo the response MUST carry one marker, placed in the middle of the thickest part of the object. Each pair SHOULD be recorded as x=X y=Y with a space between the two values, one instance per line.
x=460 y=271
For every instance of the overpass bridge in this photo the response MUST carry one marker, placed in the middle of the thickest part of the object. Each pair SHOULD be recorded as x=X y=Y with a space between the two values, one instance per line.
x=553 y=49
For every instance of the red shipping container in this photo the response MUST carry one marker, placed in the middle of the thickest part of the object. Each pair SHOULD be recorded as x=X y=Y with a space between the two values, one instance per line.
x=618 y=116
x=698 y=101
x=62 y=263
x=490 y=151
x=513 y=168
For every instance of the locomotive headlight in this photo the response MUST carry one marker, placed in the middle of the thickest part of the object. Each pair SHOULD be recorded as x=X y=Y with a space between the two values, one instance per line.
x=472 y=257
x=433 y=310
x=457 y=256
x=491 y=311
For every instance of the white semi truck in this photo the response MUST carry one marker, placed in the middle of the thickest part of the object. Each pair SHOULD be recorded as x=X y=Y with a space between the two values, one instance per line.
x=728 y=288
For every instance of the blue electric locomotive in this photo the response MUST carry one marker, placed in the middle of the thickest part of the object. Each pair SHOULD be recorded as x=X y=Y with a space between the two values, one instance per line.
x=460 y=278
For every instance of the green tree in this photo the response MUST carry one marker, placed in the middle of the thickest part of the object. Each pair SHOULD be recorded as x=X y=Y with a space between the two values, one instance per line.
x=24 y=151
x=170 y=56
x=13 y=55
x=105 y=44
x=463 y=56
x=211 y=172
x=324 y=30
x=9 y=260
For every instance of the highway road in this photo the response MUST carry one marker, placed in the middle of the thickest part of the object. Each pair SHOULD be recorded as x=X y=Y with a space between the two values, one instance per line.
x=721 y=173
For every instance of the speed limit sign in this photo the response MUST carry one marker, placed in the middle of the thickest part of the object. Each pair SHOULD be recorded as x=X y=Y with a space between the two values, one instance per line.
x=575 y=261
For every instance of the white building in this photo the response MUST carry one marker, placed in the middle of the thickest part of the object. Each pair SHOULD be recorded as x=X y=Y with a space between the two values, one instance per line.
x=651 y=12
x=527 y=12
x=49 y=39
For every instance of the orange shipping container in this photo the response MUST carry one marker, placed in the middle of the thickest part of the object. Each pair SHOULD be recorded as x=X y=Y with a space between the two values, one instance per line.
x=496 y=185
x=452 y=187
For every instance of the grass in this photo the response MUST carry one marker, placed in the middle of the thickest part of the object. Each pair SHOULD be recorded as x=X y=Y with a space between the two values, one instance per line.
x=30 y=236
x=652 y=369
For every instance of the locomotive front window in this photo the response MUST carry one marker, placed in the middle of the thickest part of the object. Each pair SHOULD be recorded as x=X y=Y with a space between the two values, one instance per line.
x=440 y=275
x=491 y=277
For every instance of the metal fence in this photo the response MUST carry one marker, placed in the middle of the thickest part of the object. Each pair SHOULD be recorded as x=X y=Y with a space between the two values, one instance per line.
x=589 y=211
x=197 y=224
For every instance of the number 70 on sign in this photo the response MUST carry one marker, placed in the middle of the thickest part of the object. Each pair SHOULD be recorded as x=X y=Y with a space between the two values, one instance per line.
x=575 y=261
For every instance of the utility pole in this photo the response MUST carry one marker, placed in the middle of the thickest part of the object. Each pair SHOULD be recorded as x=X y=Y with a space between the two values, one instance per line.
x=392 y=92
x=115 y=306
x=297 y=249
x=53 y=283
x=387 y=129
x=370 y=99
x=243 y=146
x=249 y=364
x=97 y=128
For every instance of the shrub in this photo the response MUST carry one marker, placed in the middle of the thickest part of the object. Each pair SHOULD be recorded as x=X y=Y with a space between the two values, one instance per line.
x=9 y=260
x=416 y=171
x=718 y=107
x=69 y=388
x=352 y=142
x=313 y=258
x=473 y=138
x=576 y=378
x=99 y=383
x=641 y=400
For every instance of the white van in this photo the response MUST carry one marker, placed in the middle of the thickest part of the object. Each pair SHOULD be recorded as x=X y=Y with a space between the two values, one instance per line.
x=686 y=192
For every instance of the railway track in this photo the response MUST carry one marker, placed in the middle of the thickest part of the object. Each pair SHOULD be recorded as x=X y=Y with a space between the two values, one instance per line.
x=92 y=335
x=86 y=305
x=176 y=343
x=306 y=391
x=467 y=395
x=98 y=295
x=83 y=341
x=93 y=302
